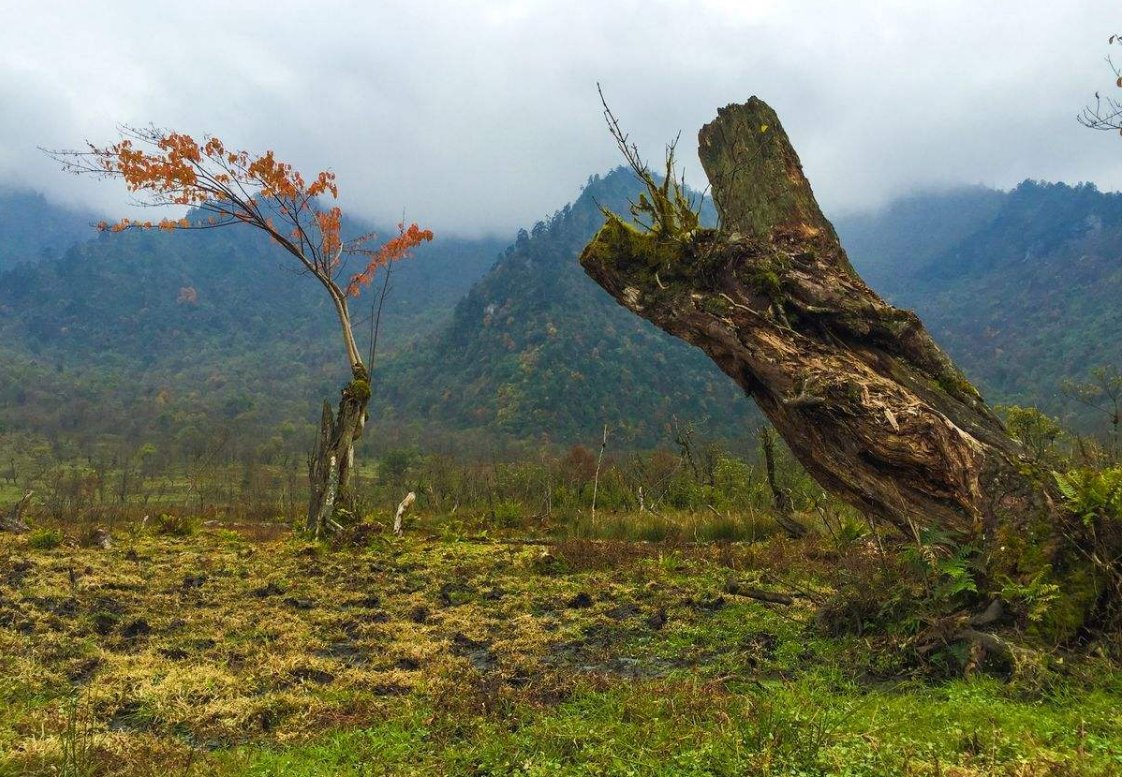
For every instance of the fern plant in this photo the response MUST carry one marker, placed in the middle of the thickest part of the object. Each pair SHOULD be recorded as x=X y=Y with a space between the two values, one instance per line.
x=1091 y=493
x=1033 y=597
x=946 y=568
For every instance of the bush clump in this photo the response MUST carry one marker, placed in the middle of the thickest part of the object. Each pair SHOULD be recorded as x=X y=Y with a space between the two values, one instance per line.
x=44 y=539
x=175 y=525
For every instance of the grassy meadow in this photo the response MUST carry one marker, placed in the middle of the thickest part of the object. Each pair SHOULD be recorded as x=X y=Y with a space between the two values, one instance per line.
x=249 y=650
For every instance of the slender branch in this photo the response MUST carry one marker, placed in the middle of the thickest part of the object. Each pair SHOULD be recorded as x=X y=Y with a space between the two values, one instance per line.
x=163 y=168
x=596 y=477
x=376 y=320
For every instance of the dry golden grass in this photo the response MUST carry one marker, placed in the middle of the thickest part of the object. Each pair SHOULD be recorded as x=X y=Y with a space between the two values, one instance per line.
x=205 y=653
x=175 y=644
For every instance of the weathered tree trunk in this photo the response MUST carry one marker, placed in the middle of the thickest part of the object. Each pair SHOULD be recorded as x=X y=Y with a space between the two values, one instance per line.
x=330 y=465
x=864 y=398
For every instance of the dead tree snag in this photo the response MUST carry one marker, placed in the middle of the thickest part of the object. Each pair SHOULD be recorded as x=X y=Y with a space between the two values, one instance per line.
x=861 y=394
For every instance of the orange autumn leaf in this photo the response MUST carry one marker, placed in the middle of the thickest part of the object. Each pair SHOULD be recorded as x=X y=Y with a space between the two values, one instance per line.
x=236 y=187
x=392 y=250
x=226 y=186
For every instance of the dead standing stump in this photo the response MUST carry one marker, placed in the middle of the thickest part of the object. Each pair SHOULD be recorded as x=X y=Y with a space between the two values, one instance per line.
x=861 y=394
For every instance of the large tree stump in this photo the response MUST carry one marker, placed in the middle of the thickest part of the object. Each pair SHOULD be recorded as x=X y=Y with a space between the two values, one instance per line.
x=864 y=398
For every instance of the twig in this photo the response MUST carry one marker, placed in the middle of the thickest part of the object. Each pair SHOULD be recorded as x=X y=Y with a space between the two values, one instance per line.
x=376 y=317
x=759 y=594
x=596 y=476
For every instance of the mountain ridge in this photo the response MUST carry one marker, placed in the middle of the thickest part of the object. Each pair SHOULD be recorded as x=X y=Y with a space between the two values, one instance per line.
x=145 y=335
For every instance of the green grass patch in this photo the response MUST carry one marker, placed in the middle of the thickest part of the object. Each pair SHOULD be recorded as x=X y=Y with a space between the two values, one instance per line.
x=463 y=656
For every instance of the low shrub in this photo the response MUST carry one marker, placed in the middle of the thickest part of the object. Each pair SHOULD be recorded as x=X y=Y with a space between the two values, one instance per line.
x=44 y=539
x=175 y=525
x=507 y=514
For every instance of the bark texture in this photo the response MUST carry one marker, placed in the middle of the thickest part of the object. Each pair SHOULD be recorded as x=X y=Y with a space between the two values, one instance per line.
x=864 y=398
x=331 y=463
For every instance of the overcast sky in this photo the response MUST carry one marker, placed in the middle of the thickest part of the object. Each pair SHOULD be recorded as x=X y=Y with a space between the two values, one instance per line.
x=483 y=117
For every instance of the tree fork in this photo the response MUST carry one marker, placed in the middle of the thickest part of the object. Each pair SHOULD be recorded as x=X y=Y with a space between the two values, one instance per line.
x=859 y=391
x=331 y=464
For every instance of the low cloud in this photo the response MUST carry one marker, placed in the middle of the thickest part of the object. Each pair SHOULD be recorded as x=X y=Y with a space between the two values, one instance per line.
x=485 y=117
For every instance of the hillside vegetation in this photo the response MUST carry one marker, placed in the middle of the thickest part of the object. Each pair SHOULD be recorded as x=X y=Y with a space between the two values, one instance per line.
x=35 y=230
x=487 y=347
x=1021 y=288
x=536 y=351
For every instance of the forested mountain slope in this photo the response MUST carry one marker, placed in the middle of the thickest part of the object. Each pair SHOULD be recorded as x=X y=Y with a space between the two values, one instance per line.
x=33 y=229
x=538 y=351
x=174 y=336
x=1022 y=288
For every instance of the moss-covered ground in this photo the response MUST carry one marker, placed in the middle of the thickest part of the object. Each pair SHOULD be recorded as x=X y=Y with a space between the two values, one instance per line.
x=224 y=653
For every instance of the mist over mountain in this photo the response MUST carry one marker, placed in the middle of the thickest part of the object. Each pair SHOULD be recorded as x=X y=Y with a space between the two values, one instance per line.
x=34 y=229
x=1021 y=288
x=140 y=335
